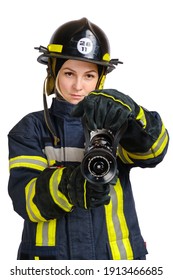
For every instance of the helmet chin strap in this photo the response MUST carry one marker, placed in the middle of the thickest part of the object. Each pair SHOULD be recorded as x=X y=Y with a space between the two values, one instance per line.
x=58 y=88
x=101 y=80
x=47 y=115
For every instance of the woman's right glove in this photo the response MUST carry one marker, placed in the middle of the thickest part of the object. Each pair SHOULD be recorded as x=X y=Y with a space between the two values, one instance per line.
x=80 y=192
x=58 y=190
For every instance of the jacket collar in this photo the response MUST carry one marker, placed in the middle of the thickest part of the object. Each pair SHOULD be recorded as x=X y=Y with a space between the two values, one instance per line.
x=61 y=107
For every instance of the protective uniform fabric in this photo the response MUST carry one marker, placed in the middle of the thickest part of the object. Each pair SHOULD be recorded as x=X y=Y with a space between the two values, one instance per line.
x=107 y=232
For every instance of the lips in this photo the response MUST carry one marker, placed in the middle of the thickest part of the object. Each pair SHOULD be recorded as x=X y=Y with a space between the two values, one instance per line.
x=77 y=96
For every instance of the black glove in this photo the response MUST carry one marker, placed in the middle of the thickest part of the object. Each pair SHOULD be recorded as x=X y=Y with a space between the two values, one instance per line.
x=108 y=109
x=82 y=193
x=58 y=190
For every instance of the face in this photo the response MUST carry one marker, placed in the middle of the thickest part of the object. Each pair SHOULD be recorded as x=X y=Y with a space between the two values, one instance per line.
x=76 y=79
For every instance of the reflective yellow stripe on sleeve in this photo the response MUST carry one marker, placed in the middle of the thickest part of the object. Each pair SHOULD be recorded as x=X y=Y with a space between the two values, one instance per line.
x=156 y=149
x=118 y=232
x=123 y=154
x=32 y=210
x=35 y=162
x=58 y=197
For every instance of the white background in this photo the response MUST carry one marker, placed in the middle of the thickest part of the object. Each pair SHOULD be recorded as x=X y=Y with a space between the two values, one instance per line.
x=140 y=34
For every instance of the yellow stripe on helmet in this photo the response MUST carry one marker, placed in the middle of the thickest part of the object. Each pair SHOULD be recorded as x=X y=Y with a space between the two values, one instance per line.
x=106 y=57
x=55 y=48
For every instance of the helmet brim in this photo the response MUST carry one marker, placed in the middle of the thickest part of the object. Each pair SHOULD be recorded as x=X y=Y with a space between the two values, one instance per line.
x=43 y=59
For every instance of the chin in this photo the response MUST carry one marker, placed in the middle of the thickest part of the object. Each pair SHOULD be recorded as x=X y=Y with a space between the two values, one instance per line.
x=75 y=102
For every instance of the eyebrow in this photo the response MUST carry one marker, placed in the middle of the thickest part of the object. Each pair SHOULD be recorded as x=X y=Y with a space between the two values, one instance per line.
x=70 y=69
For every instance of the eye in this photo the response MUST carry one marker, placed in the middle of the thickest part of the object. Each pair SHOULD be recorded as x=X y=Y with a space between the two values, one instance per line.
x=68 y=73
x=90 y=76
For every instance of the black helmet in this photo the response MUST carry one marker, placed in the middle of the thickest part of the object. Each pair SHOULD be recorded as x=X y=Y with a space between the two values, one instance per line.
x=81 y=40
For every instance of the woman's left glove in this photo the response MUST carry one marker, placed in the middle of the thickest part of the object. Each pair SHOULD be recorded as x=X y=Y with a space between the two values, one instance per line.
x=107 y=108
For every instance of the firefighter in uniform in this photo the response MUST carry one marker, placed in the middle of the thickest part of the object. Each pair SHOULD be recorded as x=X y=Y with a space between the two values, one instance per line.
x=65 y=216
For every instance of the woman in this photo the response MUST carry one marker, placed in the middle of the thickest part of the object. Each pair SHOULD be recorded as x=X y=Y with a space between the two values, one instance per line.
x=65 y=215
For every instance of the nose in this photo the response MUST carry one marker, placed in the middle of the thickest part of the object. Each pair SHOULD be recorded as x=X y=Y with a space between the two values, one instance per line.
x=77 y=84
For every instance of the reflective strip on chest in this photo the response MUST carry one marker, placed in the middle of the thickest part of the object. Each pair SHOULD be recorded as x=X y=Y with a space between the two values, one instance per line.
x=67 y=154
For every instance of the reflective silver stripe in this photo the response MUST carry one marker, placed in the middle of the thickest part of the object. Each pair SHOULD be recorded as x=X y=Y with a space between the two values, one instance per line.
x=45 y=234
x=35 y=162
x=122 y=153
x=70 y=154
x=116 y=222
x=117 y=227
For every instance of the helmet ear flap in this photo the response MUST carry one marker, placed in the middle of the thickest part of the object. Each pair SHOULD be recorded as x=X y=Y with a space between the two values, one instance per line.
x=50 y=84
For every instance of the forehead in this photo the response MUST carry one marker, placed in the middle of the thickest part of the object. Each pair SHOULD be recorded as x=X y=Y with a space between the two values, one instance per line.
x=78 y=64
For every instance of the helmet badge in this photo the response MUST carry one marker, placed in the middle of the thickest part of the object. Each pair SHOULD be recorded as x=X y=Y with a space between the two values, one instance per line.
x=84 y=45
